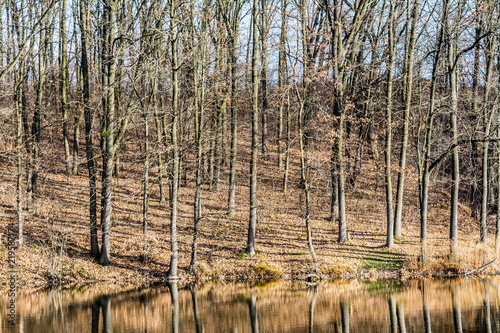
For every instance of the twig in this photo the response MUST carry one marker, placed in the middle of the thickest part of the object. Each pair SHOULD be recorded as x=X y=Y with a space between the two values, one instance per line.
x=494 y=261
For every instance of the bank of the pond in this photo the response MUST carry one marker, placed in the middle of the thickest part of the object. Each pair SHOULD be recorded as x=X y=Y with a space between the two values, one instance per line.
x=36 y=268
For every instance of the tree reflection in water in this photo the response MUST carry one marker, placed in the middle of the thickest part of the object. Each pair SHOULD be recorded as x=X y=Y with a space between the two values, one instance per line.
x=360 y=306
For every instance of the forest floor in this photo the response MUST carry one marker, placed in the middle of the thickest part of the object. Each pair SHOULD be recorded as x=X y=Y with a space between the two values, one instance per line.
x=57 y=232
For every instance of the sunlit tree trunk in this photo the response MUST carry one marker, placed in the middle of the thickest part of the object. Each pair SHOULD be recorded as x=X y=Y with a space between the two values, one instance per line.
x=281 y=74
x=63 y=60
x=488 y=112
x=424 y=170
x=408 y=67
x=94 y=246
x=36 y=126
x=388 y=140
x=174 y=177
x=199 y=87
x=288 y=143
x=235 y=22
x=455 y=172
x=108 y=135
x=263 y=78
x=250 y=250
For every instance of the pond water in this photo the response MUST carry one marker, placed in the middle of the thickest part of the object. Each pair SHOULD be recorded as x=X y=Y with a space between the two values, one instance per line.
x=460 y=305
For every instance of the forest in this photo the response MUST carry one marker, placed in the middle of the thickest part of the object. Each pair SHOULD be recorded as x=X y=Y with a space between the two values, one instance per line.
x=201 y=126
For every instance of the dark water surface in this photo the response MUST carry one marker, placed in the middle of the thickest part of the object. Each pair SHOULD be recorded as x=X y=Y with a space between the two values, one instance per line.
x=461 y=305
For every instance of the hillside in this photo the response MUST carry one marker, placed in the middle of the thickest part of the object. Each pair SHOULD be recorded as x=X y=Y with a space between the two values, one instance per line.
x=57 y=233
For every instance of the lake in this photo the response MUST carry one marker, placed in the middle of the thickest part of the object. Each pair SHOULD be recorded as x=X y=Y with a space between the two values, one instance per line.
x=432 y=305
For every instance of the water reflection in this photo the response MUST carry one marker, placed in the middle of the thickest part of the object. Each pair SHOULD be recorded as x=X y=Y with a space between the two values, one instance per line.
x=343 y=306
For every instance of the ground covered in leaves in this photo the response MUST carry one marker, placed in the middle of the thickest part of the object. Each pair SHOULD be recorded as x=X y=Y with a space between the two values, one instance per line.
x=57 y=232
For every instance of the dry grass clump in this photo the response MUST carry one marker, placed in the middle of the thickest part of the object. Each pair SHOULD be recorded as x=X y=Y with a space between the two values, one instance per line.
x=267 y=270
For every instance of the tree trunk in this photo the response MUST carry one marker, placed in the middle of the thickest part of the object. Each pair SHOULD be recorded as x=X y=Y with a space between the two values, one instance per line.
x=145 y=181
x=455 y=172
x=19 y=146
x=199 y=108
x=63 y=58
x=250 y=250
x=424 y=174
x=388 y=140
x=281 y=74
x=35 y=128
x=408 y=67
x=108 y=135
x=234 y=115
x=94 y=246
x=488 y=111
x=288 y=143
x=174 y=177
x=263 y=79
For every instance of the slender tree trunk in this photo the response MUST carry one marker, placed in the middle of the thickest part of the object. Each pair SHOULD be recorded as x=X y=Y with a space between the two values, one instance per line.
x=234 y=114
x=340 y=175
x=108 y=135
x=388 y=140
x=288 y=143
x=63 y=58
x=76 y=131
x=263 y=78
x=410 y=50
x=281 y=74
x=304 y=181
x=250 y=250
x=475 y=114
x=19 y=146
x=94 y=246
x=159 y=140
x=199 y=107
x=36 y=127
x=425 y=163
x=488 y=111
x=174 y=177
x=452 y=74
x=145 y=180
